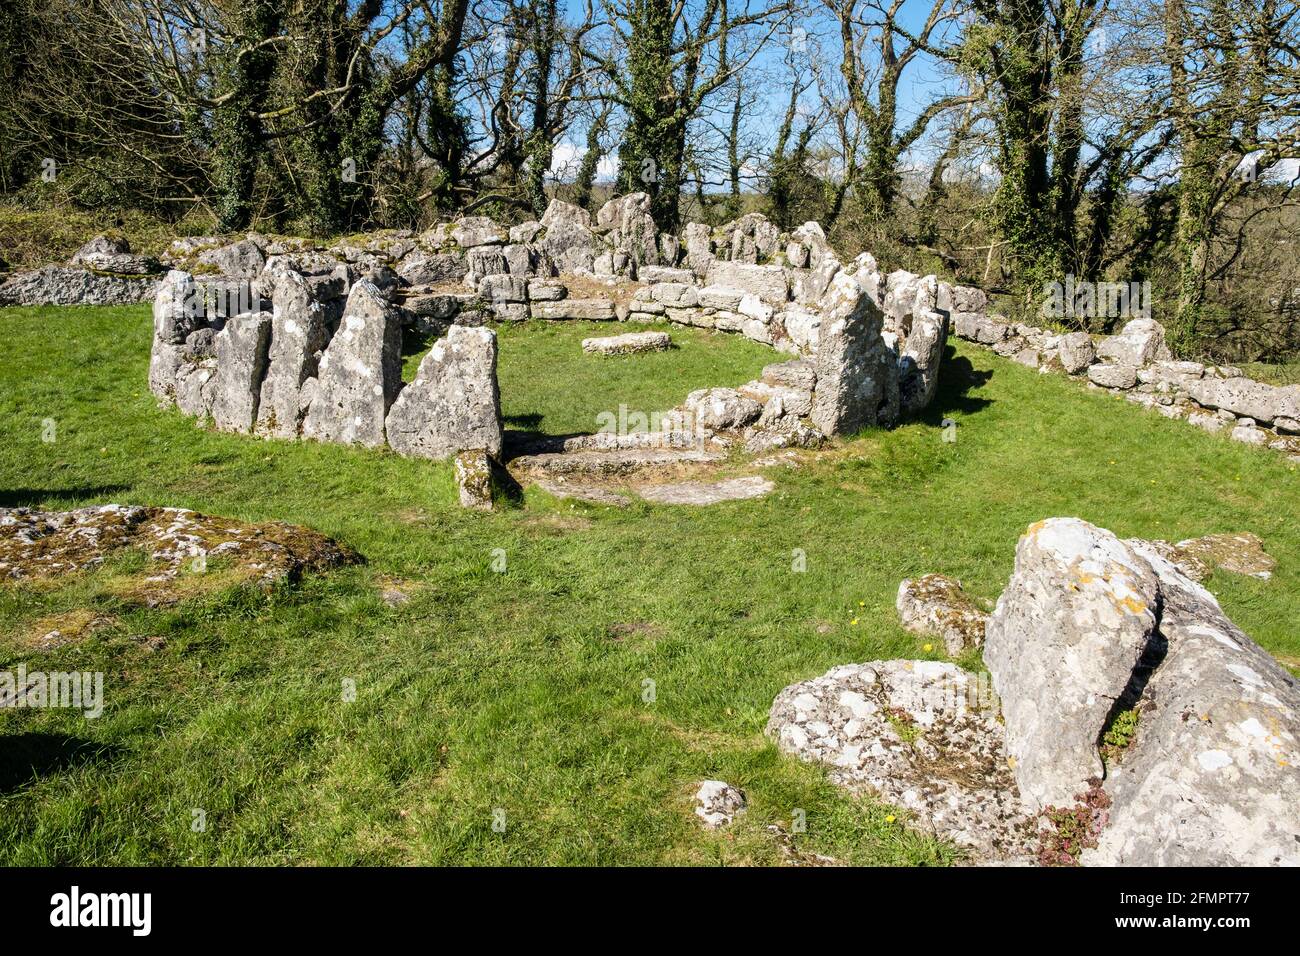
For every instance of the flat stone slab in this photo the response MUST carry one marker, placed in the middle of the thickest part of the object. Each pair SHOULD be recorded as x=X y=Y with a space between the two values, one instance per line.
x=628 y=343
x=584 y=491
x=612 y=463
x=707 y=492
x=922 y=735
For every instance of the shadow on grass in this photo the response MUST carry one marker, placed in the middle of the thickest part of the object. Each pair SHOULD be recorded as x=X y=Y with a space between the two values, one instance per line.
x=24 y=758
x=34 y=497
x=957 y=377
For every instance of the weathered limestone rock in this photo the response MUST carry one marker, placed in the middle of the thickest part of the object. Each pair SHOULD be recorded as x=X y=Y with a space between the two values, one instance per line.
x=707 y=492
x=628 y=344
x=900 y=299
x=175 y=317
x=1250 y=435
x=473 y=231
x=1112 y=376
x=922 y=735
x=298 y=337
x=1241 y=396
x=936 y=604
x=100 y=245
x=196 y=387
x=244 y=258
x=421 y=268
x=1212 y=776
x=697 y=238
x=546 y=290
x=360 y=373
x=56 y=285
x=242 y=346
x=1077 y=352
x=1240 y=553
x=474 y=480
x=718 y=408
x=918 y=366
x=630 y=228
x=453 y=405
x=767 y=282
x=503 y=288
x=796 y=373
x=657 y=274
x=850 y=362
x=591 y=310
x=1140 y=342
x=42 y=544
x=718 y=803
x=808 y=286
x=751 y=238
x=1062 y=646
x=675 y=294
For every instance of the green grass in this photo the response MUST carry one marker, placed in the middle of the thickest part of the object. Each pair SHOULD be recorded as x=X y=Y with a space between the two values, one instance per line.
x=1274 y=373
x=516 y=691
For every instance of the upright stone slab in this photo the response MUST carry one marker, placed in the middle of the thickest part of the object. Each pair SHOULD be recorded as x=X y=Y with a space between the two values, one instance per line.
x=360 y=372
x=850 y=361
x=918 y=368
x=242 y=347
x=298 y=335
x=177 y=312
x=1061 y=647
x=453 y=405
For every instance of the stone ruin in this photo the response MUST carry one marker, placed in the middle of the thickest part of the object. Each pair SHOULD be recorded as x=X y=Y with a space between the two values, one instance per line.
x=1021 y=766
x=283 y=340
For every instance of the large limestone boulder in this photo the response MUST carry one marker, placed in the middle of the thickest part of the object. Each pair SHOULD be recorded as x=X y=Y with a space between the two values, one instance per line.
x=1241 y=396
x=1140 y=342
x=298 y=337
x=1212 y=775
x=752 y=238
x=1062 y=645
x=242 y=346
x=453 y=405
x=472 y=231
x=716 y=408
x=852 y=363
x=360 y=372
x=1076 y=351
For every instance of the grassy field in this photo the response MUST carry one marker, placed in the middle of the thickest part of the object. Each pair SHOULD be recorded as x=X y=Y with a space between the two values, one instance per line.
x=519 y=696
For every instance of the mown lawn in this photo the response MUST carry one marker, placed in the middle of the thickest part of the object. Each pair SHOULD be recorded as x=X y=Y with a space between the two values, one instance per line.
x=524 y=692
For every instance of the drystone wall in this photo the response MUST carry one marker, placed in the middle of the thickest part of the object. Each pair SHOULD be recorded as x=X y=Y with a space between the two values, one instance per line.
x=283 y=339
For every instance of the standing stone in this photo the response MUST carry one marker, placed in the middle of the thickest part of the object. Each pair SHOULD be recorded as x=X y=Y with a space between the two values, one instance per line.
x=630 y=227
x=1061 y=647
x=569 y=240
x=298 y=336
x=453 y=405
x=918 y=368
x=360 y=372
x=697 y=238
x=177 y=313
x=850 y=360
x=242 y=347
